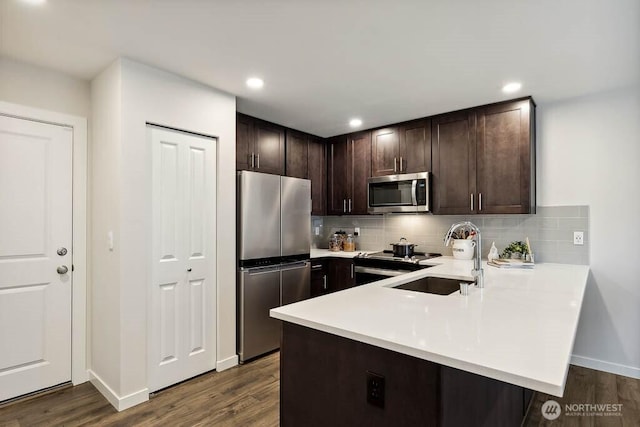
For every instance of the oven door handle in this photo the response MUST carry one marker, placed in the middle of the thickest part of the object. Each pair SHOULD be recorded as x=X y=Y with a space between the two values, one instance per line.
x=379 y=271
x=414 y=192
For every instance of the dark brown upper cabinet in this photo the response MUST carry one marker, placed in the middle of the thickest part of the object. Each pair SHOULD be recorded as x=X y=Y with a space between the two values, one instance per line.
x=403 y=148
x=306 y=158
x=349 y=167
x=506 y=158
x=259 y=145
x=297 y=153
x=415 y=146
x=317 y=173
x=484 y=159
x=385 y=151
x=454 y=163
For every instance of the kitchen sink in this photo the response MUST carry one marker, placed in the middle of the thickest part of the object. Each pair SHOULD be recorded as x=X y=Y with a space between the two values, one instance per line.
x=433 y=285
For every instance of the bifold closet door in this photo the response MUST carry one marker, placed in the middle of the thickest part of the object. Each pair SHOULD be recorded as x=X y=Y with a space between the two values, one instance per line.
x=182 y=321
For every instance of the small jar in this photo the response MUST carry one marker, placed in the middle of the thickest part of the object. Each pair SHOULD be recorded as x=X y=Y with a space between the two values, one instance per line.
x=349 y=245
x=334 y=243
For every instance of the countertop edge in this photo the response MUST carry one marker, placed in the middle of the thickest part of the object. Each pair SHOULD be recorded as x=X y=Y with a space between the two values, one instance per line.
x=549 y=388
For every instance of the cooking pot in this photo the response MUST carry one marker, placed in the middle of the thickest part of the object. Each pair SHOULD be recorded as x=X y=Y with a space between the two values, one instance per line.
x=403 y=248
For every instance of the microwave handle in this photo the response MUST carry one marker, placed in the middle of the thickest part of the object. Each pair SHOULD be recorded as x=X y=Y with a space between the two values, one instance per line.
x=414 y=195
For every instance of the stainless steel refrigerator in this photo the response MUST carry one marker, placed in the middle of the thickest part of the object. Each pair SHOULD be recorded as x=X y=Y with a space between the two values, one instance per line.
x=274 y=241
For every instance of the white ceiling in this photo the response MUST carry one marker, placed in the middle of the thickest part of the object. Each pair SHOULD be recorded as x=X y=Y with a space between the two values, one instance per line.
x=325 y=62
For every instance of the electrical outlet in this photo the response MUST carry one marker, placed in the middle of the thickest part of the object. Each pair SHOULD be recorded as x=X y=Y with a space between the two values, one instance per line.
x=375 y=389
x=578 y=238
x=356 y=231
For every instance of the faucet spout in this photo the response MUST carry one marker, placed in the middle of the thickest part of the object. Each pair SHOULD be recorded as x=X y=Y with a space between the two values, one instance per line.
x=477 y=271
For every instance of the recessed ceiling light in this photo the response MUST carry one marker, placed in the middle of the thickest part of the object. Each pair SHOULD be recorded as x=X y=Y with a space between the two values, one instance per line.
x=511 y=87
x=354 y=123
x=255 y=83
x=35 y=2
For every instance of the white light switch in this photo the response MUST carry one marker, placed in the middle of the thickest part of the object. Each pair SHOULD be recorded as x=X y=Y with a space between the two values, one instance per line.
x=317 y=231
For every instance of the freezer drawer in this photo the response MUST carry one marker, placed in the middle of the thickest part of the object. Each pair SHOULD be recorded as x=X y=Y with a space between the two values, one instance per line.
x=295 y=283
x=258 y=292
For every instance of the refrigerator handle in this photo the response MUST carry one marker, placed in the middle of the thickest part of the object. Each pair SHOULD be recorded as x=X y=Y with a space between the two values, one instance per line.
x=295 y=266
x=261 y=270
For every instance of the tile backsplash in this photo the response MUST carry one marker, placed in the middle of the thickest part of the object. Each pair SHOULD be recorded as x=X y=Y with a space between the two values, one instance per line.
x=550 y=231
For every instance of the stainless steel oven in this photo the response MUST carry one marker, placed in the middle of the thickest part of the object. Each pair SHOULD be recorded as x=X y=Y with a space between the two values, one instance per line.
x=399 y=193
x=381 y=265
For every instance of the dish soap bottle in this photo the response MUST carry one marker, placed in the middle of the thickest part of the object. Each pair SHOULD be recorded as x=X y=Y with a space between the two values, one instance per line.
x=493 y=252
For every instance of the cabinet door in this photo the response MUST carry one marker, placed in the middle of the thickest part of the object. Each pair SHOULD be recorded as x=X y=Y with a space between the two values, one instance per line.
x=415 y=146
x=340 y=274
x=319 y=279
x=296 y=154
x=360 y=164
x=244 y=141
x=385 y=152
x=317 y=167
x=339 y=176
x=454 y=163
x=505 y=158
x=269 y=148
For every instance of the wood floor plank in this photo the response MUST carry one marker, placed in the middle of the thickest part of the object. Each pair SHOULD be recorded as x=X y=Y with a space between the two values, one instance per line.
x=249 y=395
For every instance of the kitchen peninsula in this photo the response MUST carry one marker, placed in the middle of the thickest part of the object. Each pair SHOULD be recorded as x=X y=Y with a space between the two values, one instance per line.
x=375 y=355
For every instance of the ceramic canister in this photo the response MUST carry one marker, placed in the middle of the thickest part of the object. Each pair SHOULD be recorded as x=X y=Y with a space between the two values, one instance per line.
x=463 y=248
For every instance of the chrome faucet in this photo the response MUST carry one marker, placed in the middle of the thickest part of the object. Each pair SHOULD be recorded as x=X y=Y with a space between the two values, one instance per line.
x=477 y=260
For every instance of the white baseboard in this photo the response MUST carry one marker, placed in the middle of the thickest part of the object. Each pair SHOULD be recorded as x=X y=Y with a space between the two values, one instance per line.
x=227 y=363
x=120 y=403
x=601 y=365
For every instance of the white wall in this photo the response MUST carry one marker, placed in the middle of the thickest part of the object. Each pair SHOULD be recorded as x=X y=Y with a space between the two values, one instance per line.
x=155 y=96
x=104 y=320
x=34 y=86
x=588 y=154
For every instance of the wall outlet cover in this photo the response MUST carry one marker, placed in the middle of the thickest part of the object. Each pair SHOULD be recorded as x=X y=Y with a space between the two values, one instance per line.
x=578 y=238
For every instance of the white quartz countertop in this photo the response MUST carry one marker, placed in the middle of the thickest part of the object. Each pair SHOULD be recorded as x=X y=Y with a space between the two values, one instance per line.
x=519 y=329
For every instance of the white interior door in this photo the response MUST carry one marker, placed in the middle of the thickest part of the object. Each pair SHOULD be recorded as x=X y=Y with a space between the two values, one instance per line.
x=35 y=221
x=183 y=292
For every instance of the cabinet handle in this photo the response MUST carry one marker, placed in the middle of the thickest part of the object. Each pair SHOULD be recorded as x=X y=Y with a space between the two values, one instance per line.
x=324 y=282
x=251 y=162
x=258 y=158
x=400 y=163
x=479 y=201
x=349 y=205
x=471 y=196
x=344 y=205
x=395 y=164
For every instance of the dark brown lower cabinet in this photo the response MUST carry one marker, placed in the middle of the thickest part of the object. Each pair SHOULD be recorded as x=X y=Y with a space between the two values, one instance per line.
x=324 y=379
x=331 y=275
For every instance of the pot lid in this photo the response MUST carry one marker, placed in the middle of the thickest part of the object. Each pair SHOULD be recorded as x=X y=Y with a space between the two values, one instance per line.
x=403 y=242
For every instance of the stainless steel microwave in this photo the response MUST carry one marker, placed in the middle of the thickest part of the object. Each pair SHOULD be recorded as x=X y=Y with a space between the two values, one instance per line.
x=399 y=193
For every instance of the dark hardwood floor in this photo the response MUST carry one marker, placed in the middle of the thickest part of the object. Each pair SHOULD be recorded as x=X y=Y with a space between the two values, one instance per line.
x=248 y=395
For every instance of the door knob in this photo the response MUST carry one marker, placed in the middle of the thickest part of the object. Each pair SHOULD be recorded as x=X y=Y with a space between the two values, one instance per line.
x=62 y=269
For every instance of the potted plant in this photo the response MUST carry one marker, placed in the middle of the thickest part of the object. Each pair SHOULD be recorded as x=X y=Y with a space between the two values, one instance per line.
x=515 y=250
